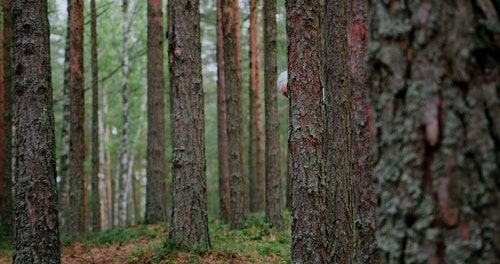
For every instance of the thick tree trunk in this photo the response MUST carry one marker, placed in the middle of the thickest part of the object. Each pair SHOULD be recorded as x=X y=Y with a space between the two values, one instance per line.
x=436 y=71
x=123 y=179
x=256 y=170
x=272 y=152
x=96 y=200
x=306 y=125
x=6 y=209
x=362 y=139
x=222 y=145
x=234 y=118
x=76 y=218
x=338 y=160
x=189 y=225
x=35 y=188
x=156 y=193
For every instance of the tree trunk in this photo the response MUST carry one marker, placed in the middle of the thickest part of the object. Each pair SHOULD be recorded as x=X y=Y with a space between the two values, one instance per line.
x=272 y=150
x=189 y=225
x=234 y=118
x=256 y=170
x=2 y=108
x=37 y=229
x=362 y=138
x=156 y=193
x=222 y=143
x=306 y=123
x=7 y=211
x=123 y=180
x=338 y=160
x=435 y=75
x=76 y=218
x=96 y=207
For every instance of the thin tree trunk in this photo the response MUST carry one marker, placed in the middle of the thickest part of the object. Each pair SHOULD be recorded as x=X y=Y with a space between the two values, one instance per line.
x=305 y=144
x=256 y=170
x=124 y=148
x=273 y=152
x=76 y=218
x=436 y=100
x=156 y=193
x=96 y=207
x=338 y=160
x=234 y=119
x=189 y=224
x=222 y=147
x=362 y=138
x=103 y=183
x=35 y=190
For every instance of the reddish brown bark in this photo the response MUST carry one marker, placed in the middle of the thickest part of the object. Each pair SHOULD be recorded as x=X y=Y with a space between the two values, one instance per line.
x=256 y=170
x=222 y=147
x=309 y=242
x=156 y=193
x=76 y=218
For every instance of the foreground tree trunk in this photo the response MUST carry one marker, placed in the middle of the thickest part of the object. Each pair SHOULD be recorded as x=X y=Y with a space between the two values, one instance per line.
x=156 y=193
x=338 y=160
x=436 y=100
x=256 y=172
x=6 y=208
x=272 y=151
x=189 y=225
x=35 y=189
x=234 y=119
x=362 y=139
x=222 y=146
x=76 y=218
x=306 y=123
x=96 y=200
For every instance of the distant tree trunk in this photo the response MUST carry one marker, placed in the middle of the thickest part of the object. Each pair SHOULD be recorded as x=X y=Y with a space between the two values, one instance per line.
x=234 y=118
x=272 y=151
x=189 y=225
x=37 y=227
x=63 y=187
x=338 y=160
x=435 y=75
x=106 y=160
x=6 y=208
x=156 y=193
x=123 y=179
x=76 y=218
x=2 y=108
x=306 y=123
x=96 y=200
x=362 y=125
x=103 y=167
x=222 y=143
x=256 y=170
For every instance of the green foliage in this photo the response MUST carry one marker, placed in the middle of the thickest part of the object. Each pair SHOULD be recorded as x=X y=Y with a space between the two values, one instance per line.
x=122 y=235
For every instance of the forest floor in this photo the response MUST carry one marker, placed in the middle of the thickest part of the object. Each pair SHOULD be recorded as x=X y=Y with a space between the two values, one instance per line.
x=255 y=243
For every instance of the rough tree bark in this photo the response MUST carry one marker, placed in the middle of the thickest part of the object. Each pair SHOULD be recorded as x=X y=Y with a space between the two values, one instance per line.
x=76 y=222
x=435 y=75
x=35 y=189
x=96 y=200
x=337 y=142
x=256 y=171
x=362 y=138
x=156 y=193
x=189 y=225
x=234 y=118
x=272 y=136
x=306 y=126
x=222 y=146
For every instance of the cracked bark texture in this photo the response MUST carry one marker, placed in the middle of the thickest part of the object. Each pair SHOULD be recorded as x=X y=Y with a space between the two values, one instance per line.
x=435 y=98
x=189 y=223
x=35 y=189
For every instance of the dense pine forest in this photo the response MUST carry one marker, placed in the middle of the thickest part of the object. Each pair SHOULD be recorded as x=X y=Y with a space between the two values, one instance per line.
x=297 y=131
